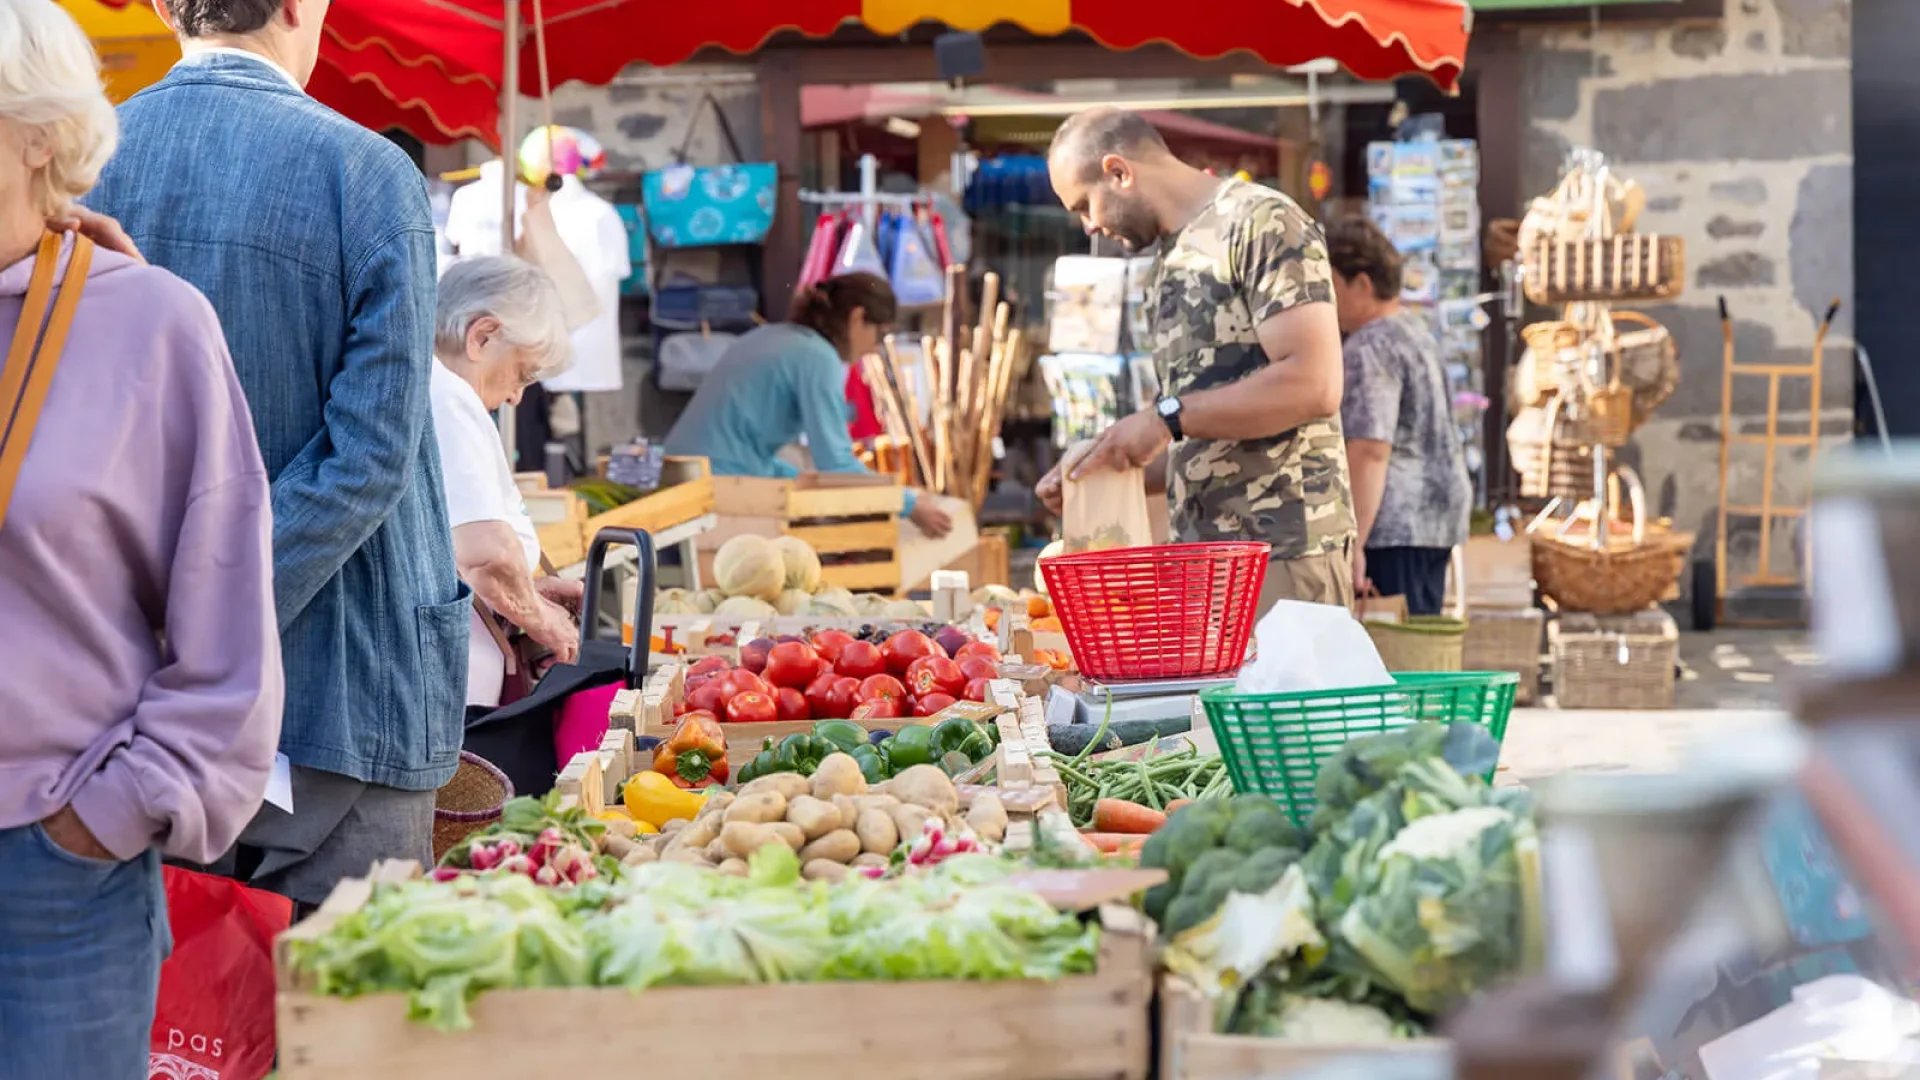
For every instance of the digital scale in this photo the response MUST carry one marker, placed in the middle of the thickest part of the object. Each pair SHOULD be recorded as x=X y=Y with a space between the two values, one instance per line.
x=1152 y=700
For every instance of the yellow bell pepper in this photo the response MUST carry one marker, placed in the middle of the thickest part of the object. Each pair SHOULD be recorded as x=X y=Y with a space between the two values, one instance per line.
x=653 y=799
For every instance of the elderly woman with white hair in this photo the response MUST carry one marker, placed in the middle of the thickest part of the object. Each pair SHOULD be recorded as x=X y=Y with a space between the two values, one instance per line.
x=141 y=706
x=499 y=329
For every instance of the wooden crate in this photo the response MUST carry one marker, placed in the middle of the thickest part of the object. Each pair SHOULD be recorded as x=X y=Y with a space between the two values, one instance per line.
x=1499 y=573
x=559 y=519
x=1086 y=1027
x=1614 y=661
x=851 y=520
x=1502 y=639
x=686 y=492
x=1189 y=1049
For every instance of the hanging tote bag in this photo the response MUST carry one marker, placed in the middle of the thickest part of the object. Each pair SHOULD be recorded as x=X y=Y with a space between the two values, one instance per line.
x=917 y=279
x=706 y=205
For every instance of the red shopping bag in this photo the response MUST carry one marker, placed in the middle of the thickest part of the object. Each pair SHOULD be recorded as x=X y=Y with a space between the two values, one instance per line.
x=215 y=1017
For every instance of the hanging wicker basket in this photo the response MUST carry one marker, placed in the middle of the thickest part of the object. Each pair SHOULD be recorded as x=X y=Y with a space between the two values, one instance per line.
x=1625 y=266
x=1624 y=577
x=1646 y=362
x=1550 y=455
x=1605 y=416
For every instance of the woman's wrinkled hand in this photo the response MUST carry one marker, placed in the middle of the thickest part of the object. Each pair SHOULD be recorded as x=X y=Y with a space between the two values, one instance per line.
x=99 y=228
x=564 y=592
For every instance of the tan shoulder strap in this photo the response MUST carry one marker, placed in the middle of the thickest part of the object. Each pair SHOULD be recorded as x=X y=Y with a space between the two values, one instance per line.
x=35 y=353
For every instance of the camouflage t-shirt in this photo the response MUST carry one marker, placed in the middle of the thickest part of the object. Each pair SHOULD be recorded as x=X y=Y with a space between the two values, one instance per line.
x=1251 y=254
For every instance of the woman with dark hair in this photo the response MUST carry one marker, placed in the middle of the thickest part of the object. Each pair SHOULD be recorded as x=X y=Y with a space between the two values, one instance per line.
x=784 y=380
x=1411 y=493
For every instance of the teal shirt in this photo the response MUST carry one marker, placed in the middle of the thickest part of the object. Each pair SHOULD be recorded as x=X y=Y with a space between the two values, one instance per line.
x=774 y=384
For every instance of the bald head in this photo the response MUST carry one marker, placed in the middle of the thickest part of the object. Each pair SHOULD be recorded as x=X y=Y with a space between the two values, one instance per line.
x=1091 y=135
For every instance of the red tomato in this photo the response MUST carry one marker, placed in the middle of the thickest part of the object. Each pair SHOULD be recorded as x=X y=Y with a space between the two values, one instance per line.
x=985 y=650
x=712 y=697
x=930 y=704
x=792 y=663
x=861 y=659
x=935 y=675
x=703 y=713
x=752 y=707
x=880 y=686
x=979 y=667
x=828 y=644
x=793 y=705
x=708 y=665
x=907 y=646
x=877 y=709
x=740 y=680
x=976 y=690
x=841 y=697
x=816 y=692
x=753 y=655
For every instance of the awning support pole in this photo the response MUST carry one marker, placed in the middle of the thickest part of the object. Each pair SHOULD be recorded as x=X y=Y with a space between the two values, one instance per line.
x=509 y=177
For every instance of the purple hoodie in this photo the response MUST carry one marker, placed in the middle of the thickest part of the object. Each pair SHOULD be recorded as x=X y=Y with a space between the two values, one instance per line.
x=137 y=628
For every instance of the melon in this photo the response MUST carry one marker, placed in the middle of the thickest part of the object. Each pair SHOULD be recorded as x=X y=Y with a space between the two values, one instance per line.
x=802 y=563
x=793 y=602
x=749 y=565
x=745 y=609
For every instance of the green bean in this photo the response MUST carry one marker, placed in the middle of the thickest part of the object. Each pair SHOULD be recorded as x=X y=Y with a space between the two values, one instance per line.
x=1147 y=786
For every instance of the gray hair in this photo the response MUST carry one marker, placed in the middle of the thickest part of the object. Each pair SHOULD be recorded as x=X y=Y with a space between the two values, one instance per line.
x=50 y=91
x=516 y=292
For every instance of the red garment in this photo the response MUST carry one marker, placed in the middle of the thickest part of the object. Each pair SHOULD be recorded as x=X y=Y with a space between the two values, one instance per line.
x=866 y=422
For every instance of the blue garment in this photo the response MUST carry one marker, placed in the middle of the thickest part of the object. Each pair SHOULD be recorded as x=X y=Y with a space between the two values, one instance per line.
x=80 y=967
x=313 y=239
x=775 y=383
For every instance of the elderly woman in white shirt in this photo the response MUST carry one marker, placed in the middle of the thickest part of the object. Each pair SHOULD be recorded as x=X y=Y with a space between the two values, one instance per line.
x=498 y=330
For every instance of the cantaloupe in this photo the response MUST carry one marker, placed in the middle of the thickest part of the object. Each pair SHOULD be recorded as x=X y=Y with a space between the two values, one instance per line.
x=749 y=565
x=802 y=563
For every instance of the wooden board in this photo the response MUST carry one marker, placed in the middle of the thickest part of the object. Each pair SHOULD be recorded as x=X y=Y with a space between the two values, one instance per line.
x=921 y=555
x=864 y=577
x=728 y=526
x=665 y=508
x=1189 y=1050
x=880 y=534
x=1087 y=1027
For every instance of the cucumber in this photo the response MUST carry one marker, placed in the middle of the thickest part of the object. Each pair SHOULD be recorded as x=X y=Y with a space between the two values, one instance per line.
x=1072 y=738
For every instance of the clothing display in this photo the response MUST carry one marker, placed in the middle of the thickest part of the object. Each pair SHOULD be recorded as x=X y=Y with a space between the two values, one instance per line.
x=479 y=487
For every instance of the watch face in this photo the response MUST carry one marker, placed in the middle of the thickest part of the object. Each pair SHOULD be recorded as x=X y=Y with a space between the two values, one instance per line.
x=1169 y=406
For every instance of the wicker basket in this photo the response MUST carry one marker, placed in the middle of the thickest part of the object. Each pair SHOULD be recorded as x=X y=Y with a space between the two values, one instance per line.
x=1614 y=662
x=1560 y=465
x=1422 y=643
x=1624 y=578
x=1500 y=639
x=1646 y=361
x=1625 y=266
x=1605 y=416
x=469 y=802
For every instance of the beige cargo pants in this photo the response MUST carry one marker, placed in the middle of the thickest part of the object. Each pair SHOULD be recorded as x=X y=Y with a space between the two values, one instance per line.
x=1315 y=579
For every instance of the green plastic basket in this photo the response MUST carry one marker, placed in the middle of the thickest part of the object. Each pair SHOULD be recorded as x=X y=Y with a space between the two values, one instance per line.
x=1273 y=744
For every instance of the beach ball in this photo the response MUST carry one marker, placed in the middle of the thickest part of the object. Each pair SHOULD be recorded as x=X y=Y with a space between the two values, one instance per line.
x=559 y=151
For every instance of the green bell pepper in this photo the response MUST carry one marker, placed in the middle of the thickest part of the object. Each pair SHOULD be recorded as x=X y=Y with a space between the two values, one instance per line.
x=911 y=745
x=949 y=735
x=844 y=734
x=872 y=765
x=802 y=754
x=977 y=747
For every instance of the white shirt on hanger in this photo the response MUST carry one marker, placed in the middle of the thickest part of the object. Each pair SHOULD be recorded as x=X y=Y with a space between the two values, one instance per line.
x=593 y=232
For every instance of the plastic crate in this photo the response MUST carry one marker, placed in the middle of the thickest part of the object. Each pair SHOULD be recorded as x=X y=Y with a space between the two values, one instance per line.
x=1274 y=744
x=688 y=307
x=1174 y=611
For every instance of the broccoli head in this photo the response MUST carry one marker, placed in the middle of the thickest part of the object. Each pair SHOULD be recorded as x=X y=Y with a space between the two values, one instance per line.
x=1205 y=887
x=1258 y=822
x=1264 y=870
x=1189 y=833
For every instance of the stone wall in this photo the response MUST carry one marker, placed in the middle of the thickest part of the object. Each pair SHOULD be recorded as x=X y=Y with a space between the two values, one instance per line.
x=1741 y=134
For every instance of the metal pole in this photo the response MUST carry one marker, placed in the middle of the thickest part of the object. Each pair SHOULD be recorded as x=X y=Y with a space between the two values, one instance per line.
x=509 y=176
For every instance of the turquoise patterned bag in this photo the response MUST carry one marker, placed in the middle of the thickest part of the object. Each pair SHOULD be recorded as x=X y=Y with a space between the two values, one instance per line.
x=707 y=205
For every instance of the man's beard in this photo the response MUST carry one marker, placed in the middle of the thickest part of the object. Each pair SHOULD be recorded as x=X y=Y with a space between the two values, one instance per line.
x=1135 y=227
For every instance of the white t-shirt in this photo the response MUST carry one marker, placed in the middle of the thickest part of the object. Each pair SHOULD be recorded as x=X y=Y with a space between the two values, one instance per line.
x=593 y=232
x=479 y=487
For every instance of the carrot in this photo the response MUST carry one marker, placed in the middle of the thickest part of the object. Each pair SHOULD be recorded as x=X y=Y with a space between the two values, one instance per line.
x=1176 y=804
x=1121 y=816
x=1113 y=843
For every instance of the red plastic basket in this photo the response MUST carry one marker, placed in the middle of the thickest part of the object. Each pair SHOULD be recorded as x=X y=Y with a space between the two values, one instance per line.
x=1176 y=611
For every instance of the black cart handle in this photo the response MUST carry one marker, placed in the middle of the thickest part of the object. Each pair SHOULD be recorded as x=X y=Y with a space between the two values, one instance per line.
x=643 y=595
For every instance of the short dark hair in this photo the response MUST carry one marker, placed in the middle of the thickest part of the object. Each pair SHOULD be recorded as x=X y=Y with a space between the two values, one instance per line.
x=205 y=18
x=1355 y=246
x=825 y=306
x=1091 y=134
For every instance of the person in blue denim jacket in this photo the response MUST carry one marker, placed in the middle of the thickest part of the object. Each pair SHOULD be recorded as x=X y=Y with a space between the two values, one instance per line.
x=313 y=239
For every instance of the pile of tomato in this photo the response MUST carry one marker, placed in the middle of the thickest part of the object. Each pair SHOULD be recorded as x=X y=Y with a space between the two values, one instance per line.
x=833 y=675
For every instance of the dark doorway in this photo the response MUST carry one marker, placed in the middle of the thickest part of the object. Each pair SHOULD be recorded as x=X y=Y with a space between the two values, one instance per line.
x=1886 y=173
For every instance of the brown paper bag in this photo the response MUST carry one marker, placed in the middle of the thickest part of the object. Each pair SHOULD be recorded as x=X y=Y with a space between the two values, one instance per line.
x=1370 y=606
x=1104 y=509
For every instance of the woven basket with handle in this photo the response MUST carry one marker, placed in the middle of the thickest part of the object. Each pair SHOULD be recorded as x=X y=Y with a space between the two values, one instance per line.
x=469 y=802
x=1624 y=577
x=1422 y=643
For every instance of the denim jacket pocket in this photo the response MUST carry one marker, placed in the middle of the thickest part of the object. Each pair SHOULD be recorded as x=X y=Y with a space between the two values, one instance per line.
x=443 y=659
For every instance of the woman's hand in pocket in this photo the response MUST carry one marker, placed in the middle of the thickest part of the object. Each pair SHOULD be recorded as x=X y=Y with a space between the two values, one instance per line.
x=72 y=835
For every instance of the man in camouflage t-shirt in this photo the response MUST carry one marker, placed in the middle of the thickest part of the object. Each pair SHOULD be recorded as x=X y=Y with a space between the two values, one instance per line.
x=1247 y=347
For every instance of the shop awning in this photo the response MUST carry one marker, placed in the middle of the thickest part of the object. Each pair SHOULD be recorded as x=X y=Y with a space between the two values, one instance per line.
x=437 y=64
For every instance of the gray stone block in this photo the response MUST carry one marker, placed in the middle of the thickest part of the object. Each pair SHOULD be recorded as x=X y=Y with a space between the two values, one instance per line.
x=1700 y=42
x=1723 y=227
x=1772 y=117
x=1552 y=80
x=1664 y=204
x=1748 y=191
x=1819 y=28
x=1742 y=269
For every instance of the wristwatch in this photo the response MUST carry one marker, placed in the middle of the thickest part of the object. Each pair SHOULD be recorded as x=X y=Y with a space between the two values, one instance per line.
x=1169 y=410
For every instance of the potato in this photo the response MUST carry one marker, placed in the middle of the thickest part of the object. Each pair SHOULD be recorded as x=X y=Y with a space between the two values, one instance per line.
x=686 y=855
x=849 y=810
x=790 y=785
x=925 y=785
x=876 y=802
x=815 y=818
x=868 y=858
x=878 y=834
x=717 y=852
x=838 y=774
x=734 y=867
x=618 y=846
x=788 y=831
x=640 y=856
x=703 y=831
x=743 y=838
x=674 y=826
x=718 y=801
x=840 y=846
x=823 y=870
x=624 y=828
x=760 y=808
x=911 y=821
x=988 y=817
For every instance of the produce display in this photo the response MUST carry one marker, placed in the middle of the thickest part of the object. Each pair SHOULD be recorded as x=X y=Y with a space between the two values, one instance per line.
x=603 y=495
x=837 y=675
x=670 y=924
x=1415 y=886
x=757 y=578
x=955 y=745
x=1154 y=781
x=536 y=839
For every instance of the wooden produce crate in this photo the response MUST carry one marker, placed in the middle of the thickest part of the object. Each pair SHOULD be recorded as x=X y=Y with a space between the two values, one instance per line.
x=559 y=519
x=1086 y=1027
x=850 y=520
x=1501 y=639
x=1614 y=661
x=705 y=635
x=1499 y=573
x=1190 y=1050
x=686 y=492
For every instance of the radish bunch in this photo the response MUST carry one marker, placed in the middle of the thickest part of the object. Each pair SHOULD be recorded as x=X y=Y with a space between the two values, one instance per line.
x=934 y=846
x=551 y=859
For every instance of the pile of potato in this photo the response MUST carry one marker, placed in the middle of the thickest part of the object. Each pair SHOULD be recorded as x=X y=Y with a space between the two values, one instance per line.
x=832 y=819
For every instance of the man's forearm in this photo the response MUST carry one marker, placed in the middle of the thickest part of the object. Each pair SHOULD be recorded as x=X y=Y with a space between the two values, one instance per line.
x=1277 y=398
